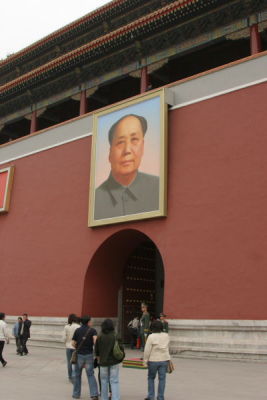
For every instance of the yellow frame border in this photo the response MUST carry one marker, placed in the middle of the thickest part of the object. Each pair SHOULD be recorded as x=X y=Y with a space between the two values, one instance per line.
x=7 y=196
x=162 y=212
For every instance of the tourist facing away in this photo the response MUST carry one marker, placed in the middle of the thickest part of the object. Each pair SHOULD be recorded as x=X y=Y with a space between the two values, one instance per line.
x=156 y=358
x=144 y=324
x=83 y=340
x=68 y=333
x=109 y=364
x=4 y=337
x=165 y=323
x=16 y=333
x=25 y=333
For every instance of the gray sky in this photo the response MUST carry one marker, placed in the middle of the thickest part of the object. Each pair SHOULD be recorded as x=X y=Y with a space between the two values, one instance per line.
x=23 y=22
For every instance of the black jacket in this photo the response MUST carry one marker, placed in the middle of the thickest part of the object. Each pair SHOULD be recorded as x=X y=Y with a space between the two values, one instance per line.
x=104 y=349
x=25 y=330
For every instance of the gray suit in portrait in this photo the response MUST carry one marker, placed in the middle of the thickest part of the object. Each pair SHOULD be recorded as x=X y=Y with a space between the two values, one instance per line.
x=114 y=200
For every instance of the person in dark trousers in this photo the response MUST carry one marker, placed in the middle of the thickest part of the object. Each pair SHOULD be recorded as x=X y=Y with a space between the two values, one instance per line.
x=156 y=358
x=4 y=338
x=83 y=340
x=133 y=328
x=144 y=325
x=16 y=333
x=165 y=323
x=109 y=365
x=25 y=333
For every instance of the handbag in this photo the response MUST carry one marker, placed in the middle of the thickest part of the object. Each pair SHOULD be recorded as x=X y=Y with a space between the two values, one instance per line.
x=170 y=367
x=74 y=356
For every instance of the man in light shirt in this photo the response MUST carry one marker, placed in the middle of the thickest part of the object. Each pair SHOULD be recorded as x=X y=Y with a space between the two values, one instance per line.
x=4 y=337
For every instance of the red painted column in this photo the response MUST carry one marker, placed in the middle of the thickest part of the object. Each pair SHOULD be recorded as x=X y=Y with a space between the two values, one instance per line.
x=255 y=39
x=83 y=103
x=144 y=80
x=34 y=122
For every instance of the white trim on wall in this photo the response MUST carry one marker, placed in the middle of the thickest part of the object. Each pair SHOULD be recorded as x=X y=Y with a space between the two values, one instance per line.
x=46 y=148
x=216 y=94
x=218 y=82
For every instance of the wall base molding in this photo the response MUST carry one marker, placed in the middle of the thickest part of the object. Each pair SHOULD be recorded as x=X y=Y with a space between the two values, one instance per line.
x=48 y=331
x=219 y=339
x=244 y=340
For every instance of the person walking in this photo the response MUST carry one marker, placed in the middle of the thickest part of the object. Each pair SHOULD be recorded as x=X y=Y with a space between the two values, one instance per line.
x=109 y=364
x=25 y=333
x=156 y=358
x=4 y=338
x=68 y=333
x=16 y=333
x=83 y=340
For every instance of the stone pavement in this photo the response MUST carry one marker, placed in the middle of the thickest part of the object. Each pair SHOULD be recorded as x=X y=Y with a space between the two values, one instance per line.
x=42 y=376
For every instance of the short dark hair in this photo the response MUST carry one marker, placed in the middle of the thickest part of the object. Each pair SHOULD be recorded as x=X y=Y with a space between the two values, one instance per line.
x=25 y=315
x=107 y=326
x=20 y=318
x=141 y=119
x=2 y=315
x=72 y=318
x=156 y=327
x=85 y=319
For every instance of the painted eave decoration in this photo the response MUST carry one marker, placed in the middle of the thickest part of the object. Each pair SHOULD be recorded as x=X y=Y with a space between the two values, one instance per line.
x=132 y=31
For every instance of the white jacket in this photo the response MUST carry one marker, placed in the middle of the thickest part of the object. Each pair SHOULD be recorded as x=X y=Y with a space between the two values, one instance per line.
x=4 y=337
x=68 y=334
x=157 y=347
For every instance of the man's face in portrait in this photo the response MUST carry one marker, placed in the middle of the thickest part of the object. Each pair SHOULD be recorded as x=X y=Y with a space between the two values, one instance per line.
x=126 y=150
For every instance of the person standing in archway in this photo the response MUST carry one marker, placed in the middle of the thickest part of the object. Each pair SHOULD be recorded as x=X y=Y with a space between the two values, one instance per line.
x=144 y=325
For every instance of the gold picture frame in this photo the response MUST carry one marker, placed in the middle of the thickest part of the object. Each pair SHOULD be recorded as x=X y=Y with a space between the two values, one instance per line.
x=151 y=107
x=6 y=174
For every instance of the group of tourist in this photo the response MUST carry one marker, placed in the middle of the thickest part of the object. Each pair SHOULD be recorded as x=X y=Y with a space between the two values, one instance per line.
x=104 y=351
x=86 y=349
x=21 y=332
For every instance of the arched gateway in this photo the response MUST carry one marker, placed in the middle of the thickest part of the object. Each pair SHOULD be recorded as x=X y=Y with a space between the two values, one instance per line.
x=124 y=271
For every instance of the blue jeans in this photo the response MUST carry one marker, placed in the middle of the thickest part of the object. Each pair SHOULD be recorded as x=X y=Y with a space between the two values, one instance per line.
x=110 y=375
x=69 y=365
x=154 y=368
x=86 y=361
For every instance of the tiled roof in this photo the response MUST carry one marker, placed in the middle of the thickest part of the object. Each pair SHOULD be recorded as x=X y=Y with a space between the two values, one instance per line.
x=147 y=23
x=91 y=16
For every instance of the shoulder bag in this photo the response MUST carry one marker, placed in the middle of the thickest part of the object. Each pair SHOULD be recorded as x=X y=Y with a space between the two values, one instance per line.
x=170 y=367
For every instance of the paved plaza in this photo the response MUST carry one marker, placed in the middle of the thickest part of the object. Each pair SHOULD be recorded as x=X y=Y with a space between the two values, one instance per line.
x=42 y=376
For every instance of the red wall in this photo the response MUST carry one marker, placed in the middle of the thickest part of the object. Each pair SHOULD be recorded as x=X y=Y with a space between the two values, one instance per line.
x=213 y=242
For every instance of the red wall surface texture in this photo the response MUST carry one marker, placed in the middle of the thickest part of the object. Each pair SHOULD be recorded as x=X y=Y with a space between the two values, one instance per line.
x=213 y=242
